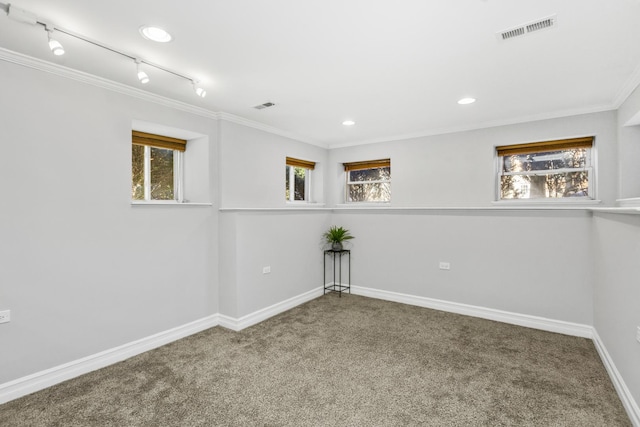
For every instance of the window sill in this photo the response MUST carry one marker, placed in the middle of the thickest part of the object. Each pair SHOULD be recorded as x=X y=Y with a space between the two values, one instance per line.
x=412 y=209
x=548 y=204
x=304 y=205
x=364 y=205
x=168 y=203
x=618 y=210
x=317 y=208
x=633 y=202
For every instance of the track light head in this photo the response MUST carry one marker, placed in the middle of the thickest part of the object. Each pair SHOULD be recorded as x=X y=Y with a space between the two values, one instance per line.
x=54 y=44
x=142 y=76
x=199 y=91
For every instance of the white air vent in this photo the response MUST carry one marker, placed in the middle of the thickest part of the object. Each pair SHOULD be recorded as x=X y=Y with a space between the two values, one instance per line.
x=521 y=30
x=263 y=106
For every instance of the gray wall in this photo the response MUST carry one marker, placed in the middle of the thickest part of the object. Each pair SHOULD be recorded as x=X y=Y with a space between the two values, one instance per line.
x=252 y=176
x=617 y=294
x=252 y=170
x=616 y=243
x=629 y=147
x=533 y=263
x=458 y=169
x=80 y=268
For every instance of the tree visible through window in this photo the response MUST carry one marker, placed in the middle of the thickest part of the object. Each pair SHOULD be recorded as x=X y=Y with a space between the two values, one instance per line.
x=550 y=169
x=368 y=181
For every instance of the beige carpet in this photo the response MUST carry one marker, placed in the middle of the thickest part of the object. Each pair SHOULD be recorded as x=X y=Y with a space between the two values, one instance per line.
x=349 y=361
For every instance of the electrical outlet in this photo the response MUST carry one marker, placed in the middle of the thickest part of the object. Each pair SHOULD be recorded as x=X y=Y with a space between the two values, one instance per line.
x=266 y=270
x=5 y=316
x=638 y=334
x=445 y=265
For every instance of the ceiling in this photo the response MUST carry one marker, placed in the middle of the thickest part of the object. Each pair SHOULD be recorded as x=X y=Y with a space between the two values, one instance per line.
x=397 y=68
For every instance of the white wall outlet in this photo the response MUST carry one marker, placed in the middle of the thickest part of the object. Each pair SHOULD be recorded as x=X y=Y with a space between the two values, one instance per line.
x=5 y=316
x=638 y=334
x=266 y=270
x=444 y=265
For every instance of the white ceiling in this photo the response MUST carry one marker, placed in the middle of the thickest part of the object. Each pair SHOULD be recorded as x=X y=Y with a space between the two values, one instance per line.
x=395 y=67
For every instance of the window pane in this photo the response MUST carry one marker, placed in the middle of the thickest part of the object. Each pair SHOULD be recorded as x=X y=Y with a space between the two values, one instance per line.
x=137 y=172
x=161 y=174
x=299 y=175
x=375 y=174
x=553 y=185
x=575 y=158
x=297 y=187
x=372 y=192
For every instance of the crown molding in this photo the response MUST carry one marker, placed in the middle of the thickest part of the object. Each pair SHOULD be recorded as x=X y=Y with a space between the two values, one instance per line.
x=91 y=79
x=82 y=77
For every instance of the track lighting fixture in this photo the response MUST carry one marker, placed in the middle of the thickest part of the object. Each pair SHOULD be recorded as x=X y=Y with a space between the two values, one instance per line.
x=142 y=76
x=29 y=18
x=54 y=44
x=199 y=91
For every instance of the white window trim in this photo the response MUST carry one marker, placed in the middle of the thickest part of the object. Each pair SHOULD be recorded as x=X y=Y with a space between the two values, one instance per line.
x=178 y=178
x=592 y=199
x=307 y=186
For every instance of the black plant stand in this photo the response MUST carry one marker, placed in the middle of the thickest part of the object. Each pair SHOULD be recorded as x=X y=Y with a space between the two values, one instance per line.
x=336 y=258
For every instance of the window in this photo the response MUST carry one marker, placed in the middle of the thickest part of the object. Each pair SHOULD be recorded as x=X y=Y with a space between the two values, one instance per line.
x=546 y=170
x=368 y=181
x=298 y=179
x=156 y=167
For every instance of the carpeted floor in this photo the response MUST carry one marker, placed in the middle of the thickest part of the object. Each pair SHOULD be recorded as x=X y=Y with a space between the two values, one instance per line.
x=349 y=361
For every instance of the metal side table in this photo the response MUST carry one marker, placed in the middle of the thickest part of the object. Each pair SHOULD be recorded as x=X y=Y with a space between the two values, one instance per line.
x=336 y=258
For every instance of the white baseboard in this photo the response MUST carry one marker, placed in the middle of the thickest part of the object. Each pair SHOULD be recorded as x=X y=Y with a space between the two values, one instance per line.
x=49 y=377
x=627 y=399
x=265 y=313
x=559 y=326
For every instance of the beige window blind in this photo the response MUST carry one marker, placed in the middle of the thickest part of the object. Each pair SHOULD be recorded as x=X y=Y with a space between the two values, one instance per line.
x=142 y=138
x=369 y=164
x=300 y=163
x=538 y=147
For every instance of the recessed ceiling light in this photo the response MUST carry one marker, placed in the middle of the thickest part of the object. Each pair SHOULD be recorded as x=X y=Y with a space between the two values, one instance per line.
x=465 y=101
x=348 y=123
x=155 y=34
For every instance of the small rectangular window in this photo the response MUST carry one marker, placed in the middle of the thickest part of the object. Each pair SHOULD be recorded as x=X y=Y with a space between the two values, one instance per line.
x=156 y=167
x=546 y=170
x=368 y=181
x=298 y=179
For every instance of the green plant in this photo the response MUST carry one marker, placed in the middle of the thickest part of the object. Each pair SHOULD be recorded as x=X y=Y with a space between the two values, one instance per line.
x=337 y=234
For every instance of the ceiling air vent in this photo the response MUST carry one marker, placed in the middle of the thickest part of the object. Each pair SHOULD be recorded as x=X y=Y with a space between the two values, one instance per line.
x=524 y=29
x=263 y=106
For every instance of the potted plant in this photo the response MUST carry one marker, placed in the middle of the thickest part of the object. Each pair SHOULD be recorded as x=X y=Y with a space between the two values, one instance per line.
x=336 y=235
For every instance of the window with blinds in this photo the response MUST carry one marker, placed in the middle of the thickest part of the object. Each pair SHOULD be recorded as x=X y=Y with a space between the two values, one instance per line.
x=368 y=181
x=546 y=170
x=298 y=179
x=156 y=167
